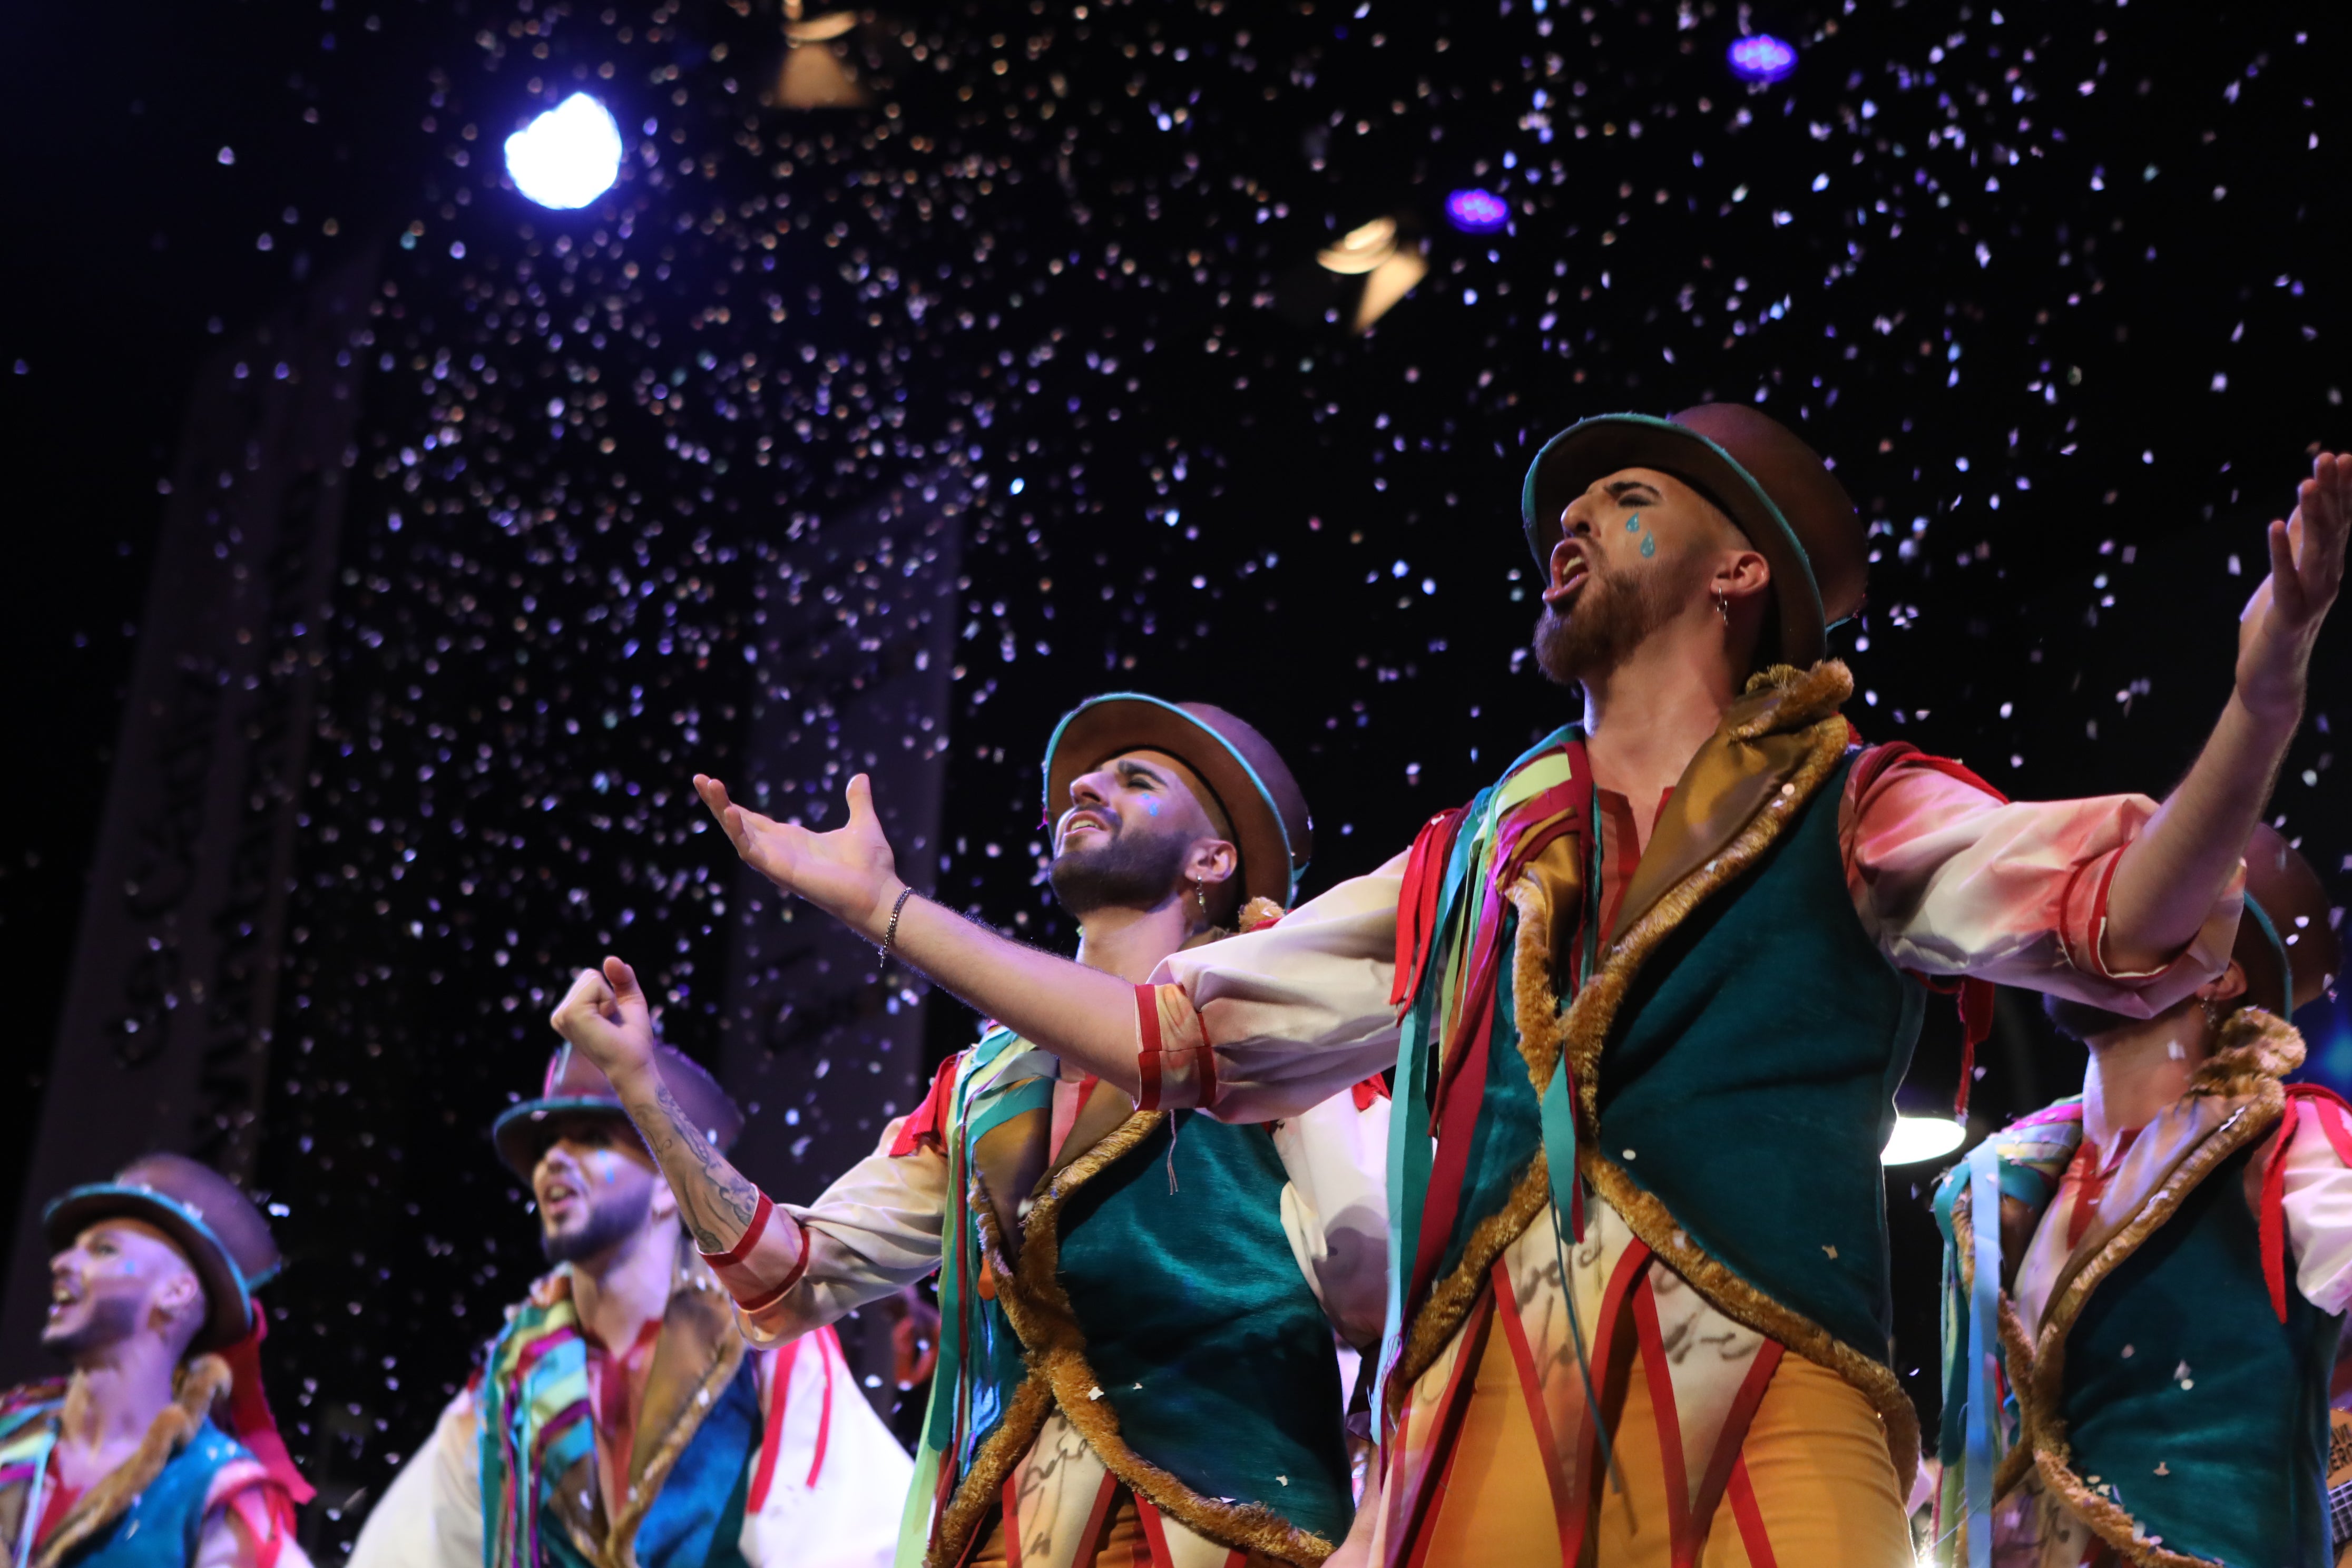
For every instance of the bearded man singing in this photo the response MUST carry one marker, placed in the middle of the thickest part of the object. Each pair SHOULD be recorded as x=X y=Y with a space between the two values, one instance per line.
x=1647 y=997
x=617 y=1420
x=1139 y=1308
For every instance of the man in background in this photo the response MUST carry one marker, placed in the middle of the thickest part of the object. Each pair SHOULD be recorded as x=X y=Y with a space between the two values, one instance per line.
x=123 y=1464
x=619 y=1418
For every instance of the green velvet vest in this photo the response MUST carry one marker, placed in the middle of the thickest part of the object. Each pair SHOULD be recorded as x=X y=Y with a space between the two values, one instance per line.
x=1153 y=1299
x=1209 y=1346
x=159 y=1526
x=1747 y=1082
x=2189 y=1403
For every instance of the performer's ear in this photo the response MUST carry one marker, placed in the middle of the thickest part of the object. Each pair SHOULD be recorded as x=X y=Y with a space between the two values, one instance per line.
x=665 y=1202
x=2226 y=987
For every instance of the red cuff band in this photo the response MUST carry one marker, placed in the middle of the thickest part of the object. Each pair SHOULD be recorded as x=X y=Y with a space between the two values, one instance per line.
x=748 y=1240
x=1147 y=1064
x=758 y=1305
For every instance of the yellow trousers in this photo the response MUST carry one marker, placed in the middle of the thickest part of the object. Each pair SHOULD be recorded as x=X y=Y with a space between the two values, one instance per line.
x=1814 y=1487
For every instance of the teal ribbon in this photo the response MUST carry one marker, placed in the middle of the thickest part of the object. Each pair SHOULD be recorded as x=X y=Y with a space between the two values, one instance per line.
x=1984 y=1332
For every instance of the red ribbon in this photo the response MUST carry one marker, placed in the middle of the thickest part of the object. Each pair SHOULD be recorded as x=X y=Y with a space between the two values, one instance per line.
x=250 y=1421
x=2302 y=1099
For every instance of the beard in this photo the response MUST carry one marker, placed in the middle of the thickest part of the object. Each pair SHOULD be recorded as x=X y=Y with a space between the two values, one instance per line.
x=1613 y=614
x=1132 y=870
x=611 y=1219
x=110 y=1320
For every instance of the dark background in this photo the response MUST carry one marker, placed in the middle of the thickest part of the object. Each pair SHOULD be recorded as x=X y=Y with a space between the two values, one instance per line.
x=2058 y=292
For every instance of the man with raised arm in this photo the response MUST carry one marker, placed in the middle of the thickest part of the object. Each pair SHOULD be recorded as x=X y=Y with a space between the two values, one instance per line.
x=1647 y=998
x=617 y=1420
x=159 y=1451
x=1140 y=1309
x=2161 y=1265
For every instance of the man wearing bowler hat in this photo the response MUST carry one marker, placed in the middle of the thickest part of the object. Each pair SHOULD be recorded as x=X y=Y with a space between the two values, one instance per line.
x=618 y=1419
x=126 y=1463
x=1138 y=1308
x=2162 y=1263
x=1647 y=997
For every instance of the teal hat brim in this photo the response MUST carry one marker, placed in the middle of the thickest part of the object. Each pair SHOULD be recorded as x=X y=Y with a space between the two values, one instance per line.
x=2267 y=934
x=1142 y=721
x=1566 y=465
x=519 y=1133
x=228 y=1294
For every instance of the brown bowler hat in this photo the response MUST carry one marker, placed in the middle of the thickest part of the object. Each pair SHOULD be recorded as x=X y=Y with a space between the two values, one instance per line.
x=2287 y=943
x=1770 y=484
x=1251 y=782
x=214 y=1226
x=575 y=1086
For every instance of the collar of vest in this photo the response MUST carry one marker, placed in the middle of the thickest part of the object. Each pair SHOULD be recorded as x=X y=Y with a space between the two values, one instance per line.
x=696 y=1354
x=202 y=1380
x=2234 y=1100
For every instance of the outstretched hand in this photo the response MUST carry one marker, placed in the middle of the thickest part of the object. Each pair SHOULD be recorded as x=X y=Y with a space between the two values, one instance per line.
x=848 y=873
x=605 y=1018
x=2282 y=621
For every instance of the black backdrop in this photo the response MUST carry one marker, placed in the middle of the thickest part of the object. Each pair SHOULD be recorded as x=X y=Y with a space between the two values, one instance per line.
x=2058 y=292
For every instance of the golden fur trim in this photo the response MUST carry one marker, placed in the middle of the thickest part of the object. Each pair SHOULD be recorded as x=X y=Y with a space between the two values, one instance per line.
x=967 y=1510
x=1780 y=701
x=2261 y=1042
x=1033 y=1297
x=692 y=1278
x=2018 y=1349
x=2105 y=1516
x=1799 y=698
x=984 y=1484
x=201 y=1382
x=2252 y=1046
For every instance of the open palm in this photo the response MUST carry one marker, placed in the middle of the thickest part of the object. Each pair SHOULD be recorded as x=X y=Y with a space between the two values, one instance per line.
x=2281 y=620
x=849 y=872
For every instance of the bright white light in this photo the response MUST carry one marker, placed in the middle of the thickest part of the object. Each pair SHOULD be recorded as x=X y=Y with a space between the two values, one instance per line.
x=568 y=156
x=1918 y=1138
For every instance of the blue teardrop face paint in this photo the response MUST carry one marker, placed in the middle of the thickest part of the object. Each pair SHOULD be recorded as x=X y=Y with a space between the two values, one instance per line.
x=1151 y=806
x=1634 y=523
x=1649 y=545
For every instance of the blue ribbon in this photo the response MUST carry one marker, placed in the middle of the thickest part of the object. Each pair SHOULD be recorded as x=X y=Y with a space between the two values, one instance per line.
x=1984 y=1333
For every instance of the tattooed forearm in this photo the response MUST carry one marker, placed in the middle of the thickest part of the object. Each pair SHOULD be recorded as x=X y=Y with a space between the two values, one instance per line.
x=715 y=1200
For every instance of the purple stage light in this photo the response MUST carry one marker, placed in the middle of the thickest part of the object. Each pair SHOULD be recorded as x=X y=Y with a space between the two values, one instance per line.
x=1761 y=57
x=1474 y=211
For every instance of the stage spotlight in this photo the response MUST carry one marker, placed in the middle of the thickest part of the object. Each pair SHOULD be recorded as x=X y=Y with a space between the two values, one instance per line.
x=1389 y=268
x=1474 y=211
x=1918 y=1138
x=1761 y=57
x=568 y=156
x=815 y=74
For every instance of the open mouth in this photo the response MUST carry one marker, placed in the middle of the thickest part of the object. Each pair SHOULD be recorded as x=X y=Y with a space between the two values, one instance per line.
x=1083 y=822
x=63 y=1294
x=1571 y=575
x=559 y=1196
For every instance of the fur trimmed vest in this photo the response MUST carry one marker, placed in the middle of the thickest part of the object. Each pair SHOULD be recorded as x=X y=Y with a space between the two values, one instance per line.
x=1176 y=1337
x=150 y=1511
x=688 y=1472
x=2161 y=1392
x=1732 y=1052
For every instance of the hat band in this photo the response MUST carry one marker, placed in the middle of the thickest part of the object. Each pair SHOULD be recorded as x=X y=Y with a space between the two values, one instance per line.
x=2286 y=965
